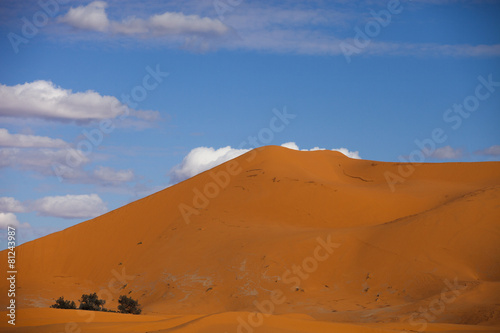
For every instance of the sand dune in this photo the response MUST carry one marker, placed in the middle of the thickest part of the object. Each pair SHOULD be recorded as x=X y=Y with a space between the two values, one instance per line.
x=279 y=240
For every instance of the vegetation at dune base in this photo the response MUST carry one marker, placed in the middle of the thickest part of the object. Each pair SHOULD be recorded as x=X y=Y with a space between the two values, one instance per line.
x=61 y=303
x=128 y=305
x=91 y=302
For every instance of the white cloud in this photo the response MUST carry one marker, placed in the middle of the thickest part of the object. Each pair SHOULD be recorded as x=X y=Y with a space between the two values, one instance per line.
x=90 y=17
x=11 y=205
x=94 y=17
x=445 y=153
x=70 y=206
x=490 y=151
x=345 y=151
x=22 y=140
x=204 y=158
x=112 y=176
x=44 y=100
x=290 y=145
x=201 y=159
x=9 y=219
x=348 y=153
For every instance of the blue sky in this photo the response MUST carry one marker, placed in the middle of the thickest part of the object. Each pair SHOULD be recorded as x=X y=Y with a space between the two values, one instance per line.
x=370 y=78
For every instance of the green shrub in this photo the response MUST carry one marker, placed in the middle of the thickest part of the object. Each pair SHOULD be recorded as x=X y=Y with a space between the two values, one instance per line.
x=128 y=305
x=91 y=302
x=61 y=303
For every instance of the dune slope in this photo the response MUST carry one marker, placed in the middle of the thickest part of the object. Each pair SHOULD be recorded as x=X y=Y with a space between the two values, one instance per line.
x=280 y=240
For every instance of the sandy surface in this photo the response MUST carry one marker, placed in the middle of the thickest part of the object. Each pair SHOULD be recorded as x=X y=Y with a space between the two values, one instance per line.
x=281 y=241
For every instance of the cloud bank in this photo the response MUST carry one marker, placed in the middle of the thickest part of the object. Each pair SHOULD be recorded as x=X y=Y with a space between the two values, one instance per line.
x=204 y=158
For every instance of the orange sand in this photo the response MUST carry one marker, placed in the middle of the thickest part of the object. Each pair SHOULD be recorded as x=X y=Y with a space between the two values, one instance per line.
x=290 y=242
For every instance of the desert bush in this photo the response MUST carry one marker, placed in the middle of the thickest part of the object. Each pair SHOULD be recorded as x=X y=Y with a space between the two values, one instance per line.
x=91 y=302
x=61 y=303
x=128 y=305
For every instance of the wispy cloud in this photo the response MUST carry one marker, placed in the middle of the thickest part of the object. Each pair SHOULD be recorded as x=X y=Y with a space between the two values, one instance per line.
x=26 y=141
x=55 y=157
x=447 y=153
x=490 y=151
x=41 y=160
x=54 y=163
x=113 y=177
x=432 y=49
x=312 y=29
